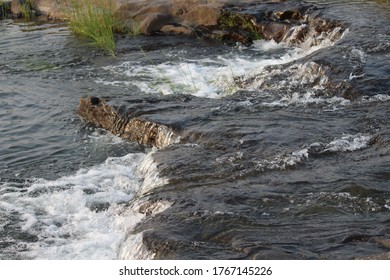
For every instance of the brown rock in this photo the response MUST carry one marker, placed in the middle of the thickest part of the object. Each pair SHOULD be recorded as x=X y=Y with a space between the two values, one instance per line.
x=168 y=29
x=152 y=15
x=15 y=7
x=289 y=15
x=274 y=30
x=202 y=15
x=385 y=242
x=153 y=23
x=97 y=112
x=54 y=9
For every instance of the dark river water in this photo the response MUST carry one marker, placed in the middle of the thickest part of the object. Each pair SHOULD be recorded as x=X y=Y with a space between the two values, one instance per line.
x=284 y=150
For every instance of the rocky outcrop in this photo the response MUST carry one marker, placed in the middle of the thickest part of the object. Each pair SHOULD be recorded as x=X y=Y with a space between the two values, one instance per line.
x=242 y=21
x=50 y=9
x=155 y=16
x=120 y=122
x=157 y=121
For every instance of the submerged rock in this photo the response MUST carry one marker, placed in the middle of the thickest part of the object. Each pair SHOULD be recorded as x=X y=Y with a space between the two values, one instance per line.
x=157 y=121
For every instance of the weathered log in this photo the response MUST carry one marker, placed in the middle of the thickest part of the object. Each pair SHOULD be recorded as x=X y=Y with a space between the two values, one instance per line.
x=97 y=112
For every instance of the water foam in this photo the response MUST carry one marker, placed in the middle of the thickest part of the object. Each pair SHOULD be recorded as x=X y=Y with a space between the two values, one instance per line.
x=204 y=77
x=85 y=215
x=331 y=202
x=132 y=246
x=283 y=161
x=347 y=143
x=376 y=98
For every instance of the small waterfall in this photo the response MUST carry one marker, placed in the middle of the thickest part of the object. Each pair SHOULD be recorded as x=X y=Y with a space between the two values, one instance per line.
x=300 y=80
x=132 y=248
x=314 y=34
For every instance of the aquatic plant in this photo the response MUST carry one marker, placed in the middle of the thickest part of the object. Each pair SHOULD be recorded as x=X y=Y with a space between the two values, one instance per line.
x=27 y=9
x=98 y=21
x=242 y=23
x=94 y=19
x=3 y=9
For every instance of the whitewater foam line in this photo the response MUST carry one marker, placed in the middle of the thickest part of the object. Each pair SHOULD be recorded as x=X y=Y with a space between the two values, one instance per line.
x=203 y=78
x=87 y=215
x=218 y=77
x=347 y=143
x=132 y=247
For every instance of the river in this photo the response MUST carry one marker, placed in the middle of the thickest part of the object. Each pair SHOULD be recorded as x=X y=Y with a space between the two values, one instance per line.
x=278 y=158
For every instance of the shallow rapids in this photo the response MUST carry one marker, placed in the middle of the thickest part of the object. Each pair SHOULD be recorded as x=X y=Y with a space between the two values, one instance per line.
x=283 y=150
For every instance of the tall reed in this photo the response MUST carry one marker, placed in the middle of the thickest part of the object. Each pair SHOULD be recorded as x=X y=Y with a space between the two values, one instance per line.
x=94 y=19
x=3 y=9
x=27 y=9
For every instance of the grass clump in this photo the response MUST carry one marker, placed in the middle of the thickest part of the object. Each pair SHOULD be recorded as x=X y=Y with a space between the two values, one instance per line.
x=27 y=9
x=5 y=7
x=239 y=24
x=94 y=19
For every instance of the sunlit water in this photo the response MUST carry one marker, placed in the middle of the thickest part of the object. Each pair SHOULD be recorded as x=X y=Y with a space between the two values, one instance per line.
x=278 y=167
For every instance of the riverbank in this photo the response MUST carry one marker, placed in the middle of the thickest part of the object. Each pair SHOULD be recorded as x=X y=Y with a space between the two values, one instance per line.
x=242 y=21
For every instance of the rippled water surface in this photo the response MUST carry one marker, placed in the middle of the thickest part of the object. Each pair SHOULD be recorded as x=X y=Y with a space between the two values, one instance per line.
x=284 y=150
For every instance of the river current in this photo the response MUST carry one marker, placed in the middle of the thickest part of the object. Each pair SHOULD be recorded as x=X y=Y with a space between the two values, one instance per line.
x=283 y=161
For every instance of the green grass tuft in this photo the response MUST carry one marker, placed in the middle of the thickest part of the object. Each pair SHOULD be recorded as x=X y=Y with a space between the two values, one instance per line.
x=234 y=21
x=94 y=19
x=3 y=10
x=27 y=9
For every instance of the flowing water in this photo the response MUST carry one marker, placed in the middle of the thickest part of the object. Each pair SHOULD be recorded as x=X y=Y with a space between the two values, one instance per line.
x=282 y=160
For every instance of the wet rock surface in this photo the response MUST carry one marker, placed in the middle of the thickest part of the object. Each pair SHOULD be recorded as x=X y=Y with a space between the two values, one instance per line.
x=242 y=21
x=229 y=150
x=128 y=124
x=229 y=161
x=226 y=20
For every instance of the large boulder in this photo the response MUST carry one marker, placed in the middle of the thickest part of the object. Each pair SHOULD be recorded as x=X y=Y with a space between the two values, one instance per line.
x=152 y=16
x=54 y=9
